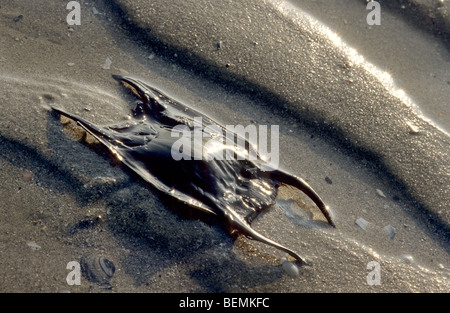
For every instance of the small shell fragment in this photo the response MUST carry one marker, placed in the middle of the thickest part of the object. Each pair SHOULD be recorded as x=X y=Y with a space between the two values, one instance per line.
x=27 y=175
x=413 y=129
x=33 y=245
x=407 y=258
x=362 y=223
x=107 y=64
x=390 y=230
x=289 y=268
x=443 y=268
x=97 y=269
x=381 y=193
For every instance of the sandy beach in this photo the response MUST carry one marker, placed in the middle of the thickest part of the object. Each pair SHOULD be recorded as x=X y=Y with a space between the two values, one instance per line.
x=363 y=115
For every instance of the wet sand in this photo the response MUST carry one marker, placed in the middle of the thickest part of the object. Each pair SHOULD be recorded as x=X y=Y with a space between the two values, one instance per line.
x=368 y=153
